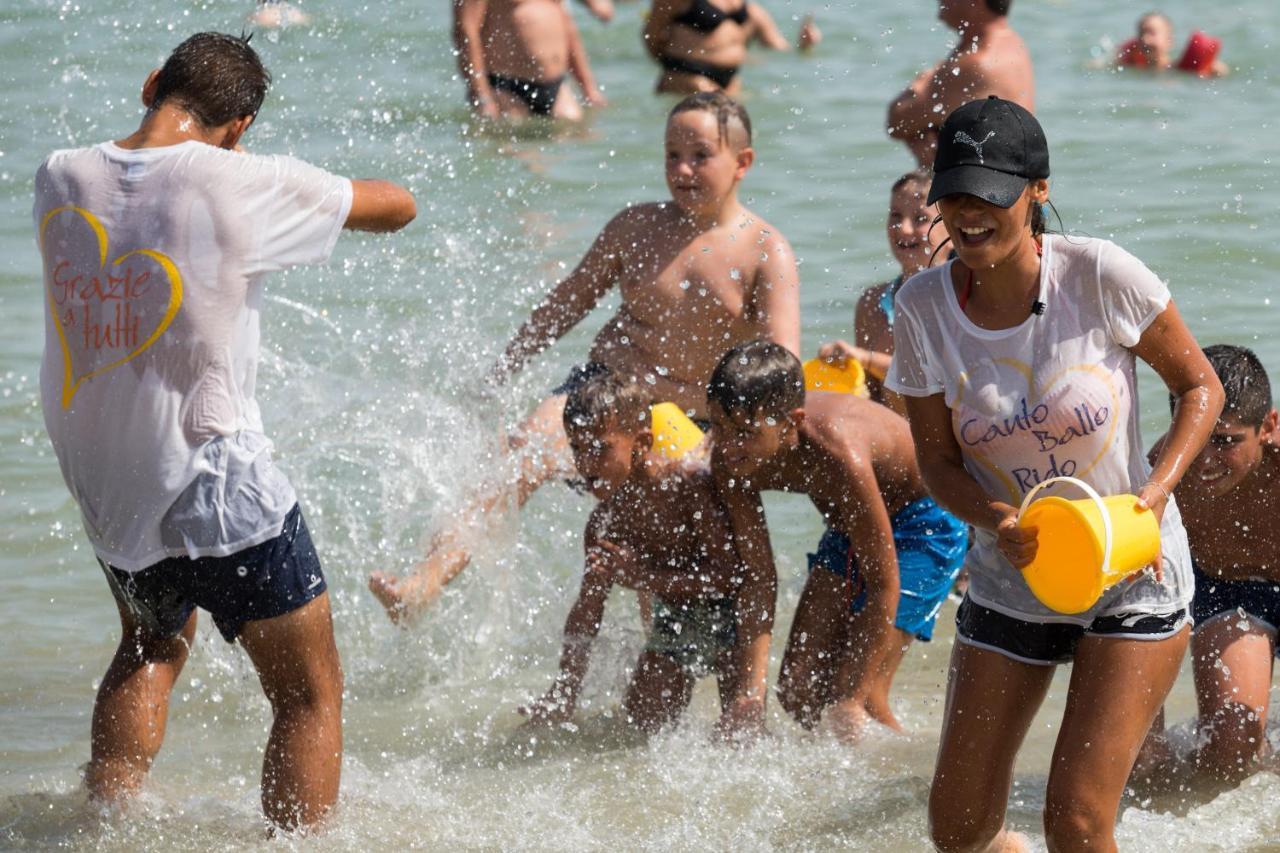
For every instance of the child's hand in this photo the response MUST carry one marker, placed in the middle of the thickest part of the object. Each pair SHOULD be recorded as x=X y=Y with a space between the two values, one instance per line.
x=810 y=35
x=840 y=353
x=595 y=98
x=612 y=563
x=551 y=709
x=602 y=9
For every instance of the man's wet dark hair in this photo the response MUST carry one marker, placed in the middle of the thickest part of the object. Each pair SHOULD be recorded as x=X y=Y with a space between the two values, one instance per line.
x=606 y=400
x=214 y=76
x=757 y=378
x=1244 y=379
x=1000 y=7
x=725 y=109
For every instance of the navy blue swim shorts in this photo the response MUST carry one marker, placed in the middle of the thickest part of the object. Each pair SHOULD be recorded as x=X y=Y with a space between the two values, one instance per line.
x=261 y=582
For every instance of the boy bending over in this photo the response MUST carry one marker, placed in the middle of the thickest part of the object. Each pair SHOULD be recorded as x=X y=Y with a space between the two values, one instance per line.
x=697 y=274
x=658 y=530
x=882 y=569
x=1230 y=498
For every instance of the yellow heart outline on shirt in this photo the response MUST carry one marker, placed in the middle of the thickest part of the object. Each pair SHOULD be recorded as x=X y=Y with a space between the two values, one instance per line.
x=70 y=382
x=1025 y=369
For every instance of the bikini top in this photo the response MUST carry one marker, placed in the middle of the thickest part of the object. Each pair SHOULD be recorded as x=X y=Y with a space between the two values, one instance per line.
x=886 y=299
x=705 y=17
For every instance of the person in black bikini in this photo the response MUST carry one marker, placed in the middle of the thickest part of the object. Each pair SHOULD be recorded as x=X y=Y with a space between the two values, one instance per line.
x=515 y=54
x=701 y=45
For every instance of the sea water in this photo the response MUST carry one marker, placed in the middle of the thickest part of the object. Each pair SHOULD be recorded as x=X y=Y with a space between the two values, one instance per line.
x=369 y=389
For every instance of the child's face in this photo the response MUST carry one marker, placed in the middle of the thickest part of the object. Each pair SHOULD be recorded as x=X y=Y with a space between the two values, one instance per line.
x=985 y=235
x=741 y=443
x=701 y=168
x=604 y=456
x=1231 y=454
x=908 y=228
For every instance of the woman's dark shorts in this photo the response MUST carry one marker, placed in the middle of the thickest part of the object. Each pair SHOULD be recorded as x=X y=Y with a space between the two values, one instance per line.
x=262 y=582
x=1049 y=643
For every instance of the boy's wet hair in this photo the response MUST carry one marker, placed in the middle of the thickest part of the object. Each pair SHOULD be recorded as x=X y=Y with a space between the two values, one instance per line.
x=1245 y=381
x=757 y=378
x=999 y=7
x=726 y=110
x=214 y=76
x=606 y=401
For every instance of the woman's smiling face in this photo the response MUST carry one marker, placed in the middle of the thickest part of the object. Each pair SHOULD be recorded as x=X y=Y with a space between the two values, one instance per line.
x=985 y=235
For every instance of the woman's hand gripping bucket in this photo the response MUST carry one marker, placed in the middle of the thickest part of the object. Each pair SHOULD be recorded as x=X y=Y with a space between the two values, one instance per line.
x=1085 y=546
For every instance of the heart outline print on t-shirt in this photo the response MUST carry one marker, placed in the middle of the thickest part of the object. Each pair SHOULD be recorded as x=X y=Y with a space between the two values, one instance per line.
x=1062 y=426
x=100 y=312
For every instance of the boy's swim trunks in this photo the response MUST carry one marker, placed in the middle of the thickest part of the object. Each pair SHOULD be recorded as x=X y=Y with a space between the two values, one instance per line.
x=693 y=635
x=931 y=544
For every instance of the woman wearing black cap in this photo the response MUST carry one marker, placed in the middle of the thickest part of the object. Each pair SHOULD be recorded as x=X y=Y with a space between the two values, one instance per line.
x=1017 y=361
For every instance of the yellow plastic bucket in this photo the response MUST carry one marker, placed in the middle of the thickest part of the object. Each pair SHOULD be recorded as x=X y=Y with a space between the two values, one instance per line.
x=820 y=375
x=674 y=435
x=1085 y=546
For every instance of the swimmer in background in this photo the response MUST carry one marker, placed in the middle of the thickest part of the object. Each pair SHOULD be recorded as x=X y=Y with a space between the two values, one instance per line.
x=658 y=529
x=273 y=14
x=1152 y=49
x=1230 y=498
x=514 y=56
x=697 y=274
x=701 y=45
x=883 y=567
x=913 y=239
x=989 y=58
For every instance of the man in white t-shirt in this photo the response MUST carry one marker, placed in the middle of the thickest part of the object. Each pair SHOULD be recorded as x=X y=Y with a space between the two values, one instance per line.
x=154 y=249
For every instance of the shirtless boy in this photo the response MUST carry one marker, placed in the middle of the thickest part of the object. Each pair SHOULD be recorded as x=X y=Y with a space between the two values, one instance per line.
x=514 y=56
x=989 y=59
x=658 y=530
x=698 y=274
x=1230 y=499
x=885 y=563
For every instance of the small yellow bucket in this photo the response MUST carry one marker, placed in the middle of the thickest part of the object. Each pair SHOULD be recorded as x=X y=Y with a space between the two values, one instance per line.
x=820 y=375
x=1085 y=546
x=674 y=435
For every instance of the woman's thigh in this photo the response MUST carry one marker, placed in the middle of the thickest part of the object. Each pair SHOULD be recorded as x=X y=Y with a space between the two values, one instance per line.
x=991 y=701
x=1117 y=687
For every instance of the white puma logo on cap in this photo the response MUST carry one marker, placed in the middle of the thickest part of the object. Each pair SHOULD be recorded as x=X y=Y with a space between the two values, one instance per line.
x=973 y=143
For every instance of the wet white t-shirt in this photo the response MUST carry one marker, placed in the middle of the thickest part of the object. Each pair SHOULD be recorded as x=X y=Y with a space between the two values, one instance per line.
x=153 y=268
x=1053 y=396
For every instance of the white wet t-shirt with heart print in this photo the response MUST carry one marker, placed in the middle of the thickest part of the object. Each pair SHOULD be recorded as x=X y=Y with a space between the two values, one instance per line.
x=1053 y=396
x=153 y=267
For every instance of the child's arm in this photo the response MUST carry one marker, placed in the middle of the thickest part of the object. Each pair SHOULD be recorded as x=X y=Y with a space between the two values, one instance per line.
x=468 y=21
x=567 y=303
x=777 y=293
x=579 y=66
x=558 y=704
x=757 y=598
x=865 y=520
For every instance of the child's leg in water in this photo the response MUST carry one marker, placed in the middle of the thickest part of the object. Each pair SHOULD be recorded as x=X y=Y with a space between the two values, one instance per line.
x=543 y=453
x=659 y=692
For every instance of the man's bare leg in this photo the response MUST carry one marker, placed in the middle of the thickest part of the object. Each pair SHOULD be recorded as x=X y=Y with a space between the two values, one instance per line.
x=132 y=708
x=544 y=454
x=297 y=662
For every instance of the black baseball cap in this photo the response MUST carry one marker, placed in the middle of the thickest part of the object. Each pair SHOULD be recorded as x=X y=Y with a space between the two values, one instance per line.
x=989 y=149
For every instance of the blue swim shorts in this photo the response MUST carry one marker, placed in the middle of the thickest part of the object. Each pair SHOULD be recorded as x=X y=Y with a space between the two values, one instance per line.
x=1259 y=599
x=261 y=582
x=931 y=544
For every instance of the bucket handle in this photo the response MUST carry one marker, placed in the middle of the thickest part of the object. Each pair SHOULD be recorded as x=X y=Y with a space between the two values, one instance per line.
x=1097 y=499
